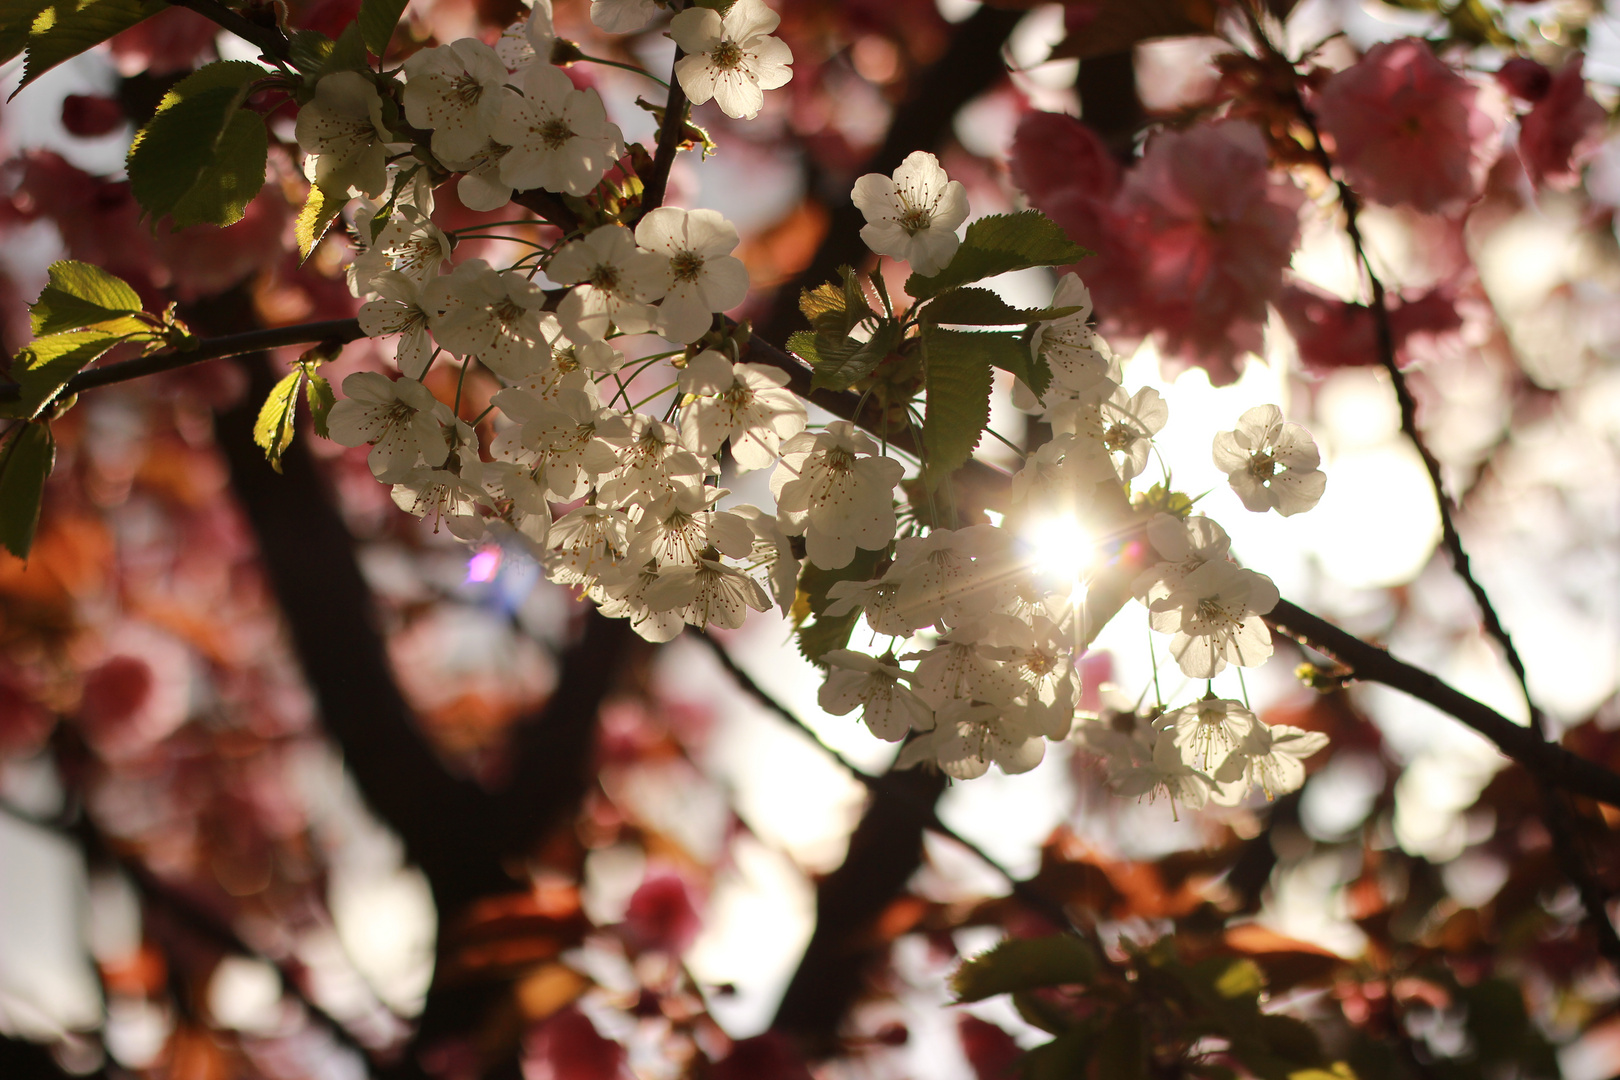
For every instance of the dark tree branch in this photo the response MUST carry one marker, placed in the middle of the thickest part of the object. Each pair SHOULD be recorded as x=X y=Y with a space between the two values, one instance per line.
x=333 y=331
x=670 y=134
x=1546 y=761
x=270 y=40
x=1560 y=814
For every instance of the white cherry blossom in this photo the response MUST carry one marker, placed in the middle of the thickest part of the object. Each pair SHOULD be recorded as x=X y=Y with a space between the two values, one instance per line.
x=877 y=601
x=703 y=276
x=708 y=594
x=731 y=58
x=1271 y=463
x=1214 y=613
x=834 y=489
x=614 y=280
x=678 y=528
x=398 y=310
x=401 y=418
x=746 y=403
x=772 y=553
x=1078 y=357
x=498 y=317
x=342 y=131
x=588 y=546
x=1272 y=759
x=559 y=136
x=1209 y=731
x=528 y=40
x=409 y=243
x=451 y=501
x=652 y=462
x=855 y=680
x=914 y=214
x=481 y=187
x=455 y=91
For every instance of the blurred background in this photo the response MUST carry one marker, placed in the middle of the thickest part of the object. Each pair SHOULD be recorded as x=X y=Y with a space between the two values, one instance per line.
x=292 y=786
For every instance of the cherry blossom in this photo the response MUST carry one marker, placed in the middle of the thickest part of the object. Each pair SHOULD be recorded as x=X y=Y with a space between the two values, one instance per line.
x=873 y=685
x=746 y=403
x=614 y=278
x=559 y=137
x=1272 y=758
x=704 y=277
x=623 y=16
x=529 y=40
x=499 y=318
x=341 y=130
x=914 y=214
x=1271 y=463
x=398 y=310
x=1405 y=127
x=1562 y=130
x=731 y=58
x=1214 y=614
x=455 y=91
x=1078 y=357
x=1209 y=731
x=400 y=418
x=834 y=488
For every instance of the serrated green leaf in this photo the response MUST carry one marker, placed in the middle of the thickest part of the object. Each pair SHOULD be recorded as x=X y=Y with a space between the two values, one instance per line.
x=321 y=399
x=79 y=294
x=833 y=310
x=981 y=307
x=231 y=181
x=1018 y=964
x=44 y=366
x=1120 y=1051
x=802 y=343
x=25 y=463
x=320 y=208
x=307 y=50
x=377 y=20
x=66 y=28
x=826 y=633
x=16 y=19
x=1039 y=1012
x=201 y=158
x=999 y=244
x=956 y=372
x=273 y=431
x=348 y=53
x=842 y=368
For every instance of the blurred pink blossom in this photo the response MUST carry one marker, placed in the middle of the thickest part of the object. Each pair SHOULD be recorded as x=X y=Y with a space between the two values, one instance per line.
x=1405 y=128
x=1563 y=129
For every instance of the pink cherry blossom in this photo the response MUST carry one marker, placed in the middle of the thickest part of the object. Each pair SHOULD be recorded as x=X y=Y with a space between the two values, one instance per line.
x=1405 y=129
x=1561 y=131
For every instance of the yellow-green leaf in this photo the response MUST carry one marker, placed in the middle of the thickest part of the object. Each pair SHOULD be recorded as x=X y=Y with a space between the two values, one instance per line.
x=79 y=294
x=1025 y=964
x=25 y=462
x=273 y=431
x=43 y=367
x=999 y=244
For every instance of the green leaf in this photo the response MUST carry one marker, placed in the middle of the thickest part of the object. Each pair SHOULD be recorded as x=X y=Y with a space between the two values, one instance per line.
x=1121 y=1051
x=956 y=368
x=224 y=189
x=1038 y=1012
x=320 y=209
x=201 y=158
x=308 y=50
x=25 y=462
x=66 y=28
x=321 y=399
x=835 y=311
x=842 y=369
x=377 y=20
x=80 y=294
x=996 y=245
x=981 y=307
x=16 y=19
x=1025 y=964
x=826 y=633
x=44 y=366
x=1064 y=1058
x=273 y=431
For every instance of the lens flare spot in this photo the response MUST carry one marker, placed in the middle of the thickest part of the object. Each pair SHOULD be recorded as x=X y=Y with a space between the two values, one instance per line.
x=1059 y=547
x=484 y=564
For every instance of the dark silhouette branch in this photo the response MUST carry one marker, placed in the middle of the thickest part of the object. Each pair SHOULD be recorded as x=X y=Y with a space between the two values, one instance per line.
x=670 y=135
x=333 y=331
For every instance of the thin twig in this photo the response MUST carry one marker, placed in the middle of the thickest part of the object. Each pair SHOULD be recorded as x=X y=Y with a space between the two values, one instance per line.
x=271 y=41
x=1547 y=761
x=1560 y=814
x=761 y=695
x=334 y=331
x=670 y=132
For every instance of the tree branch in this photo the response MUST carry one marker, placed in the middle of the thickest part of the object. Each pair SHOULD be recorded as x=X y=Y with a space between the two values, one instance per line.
x=654 y=184
x=334 y=331
x=270 y=40
x=1546 y=761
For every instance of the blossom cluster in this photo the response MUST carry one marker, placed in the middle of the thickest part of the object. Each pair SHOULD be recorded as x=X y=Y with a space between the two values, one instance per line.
x=981 y=637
